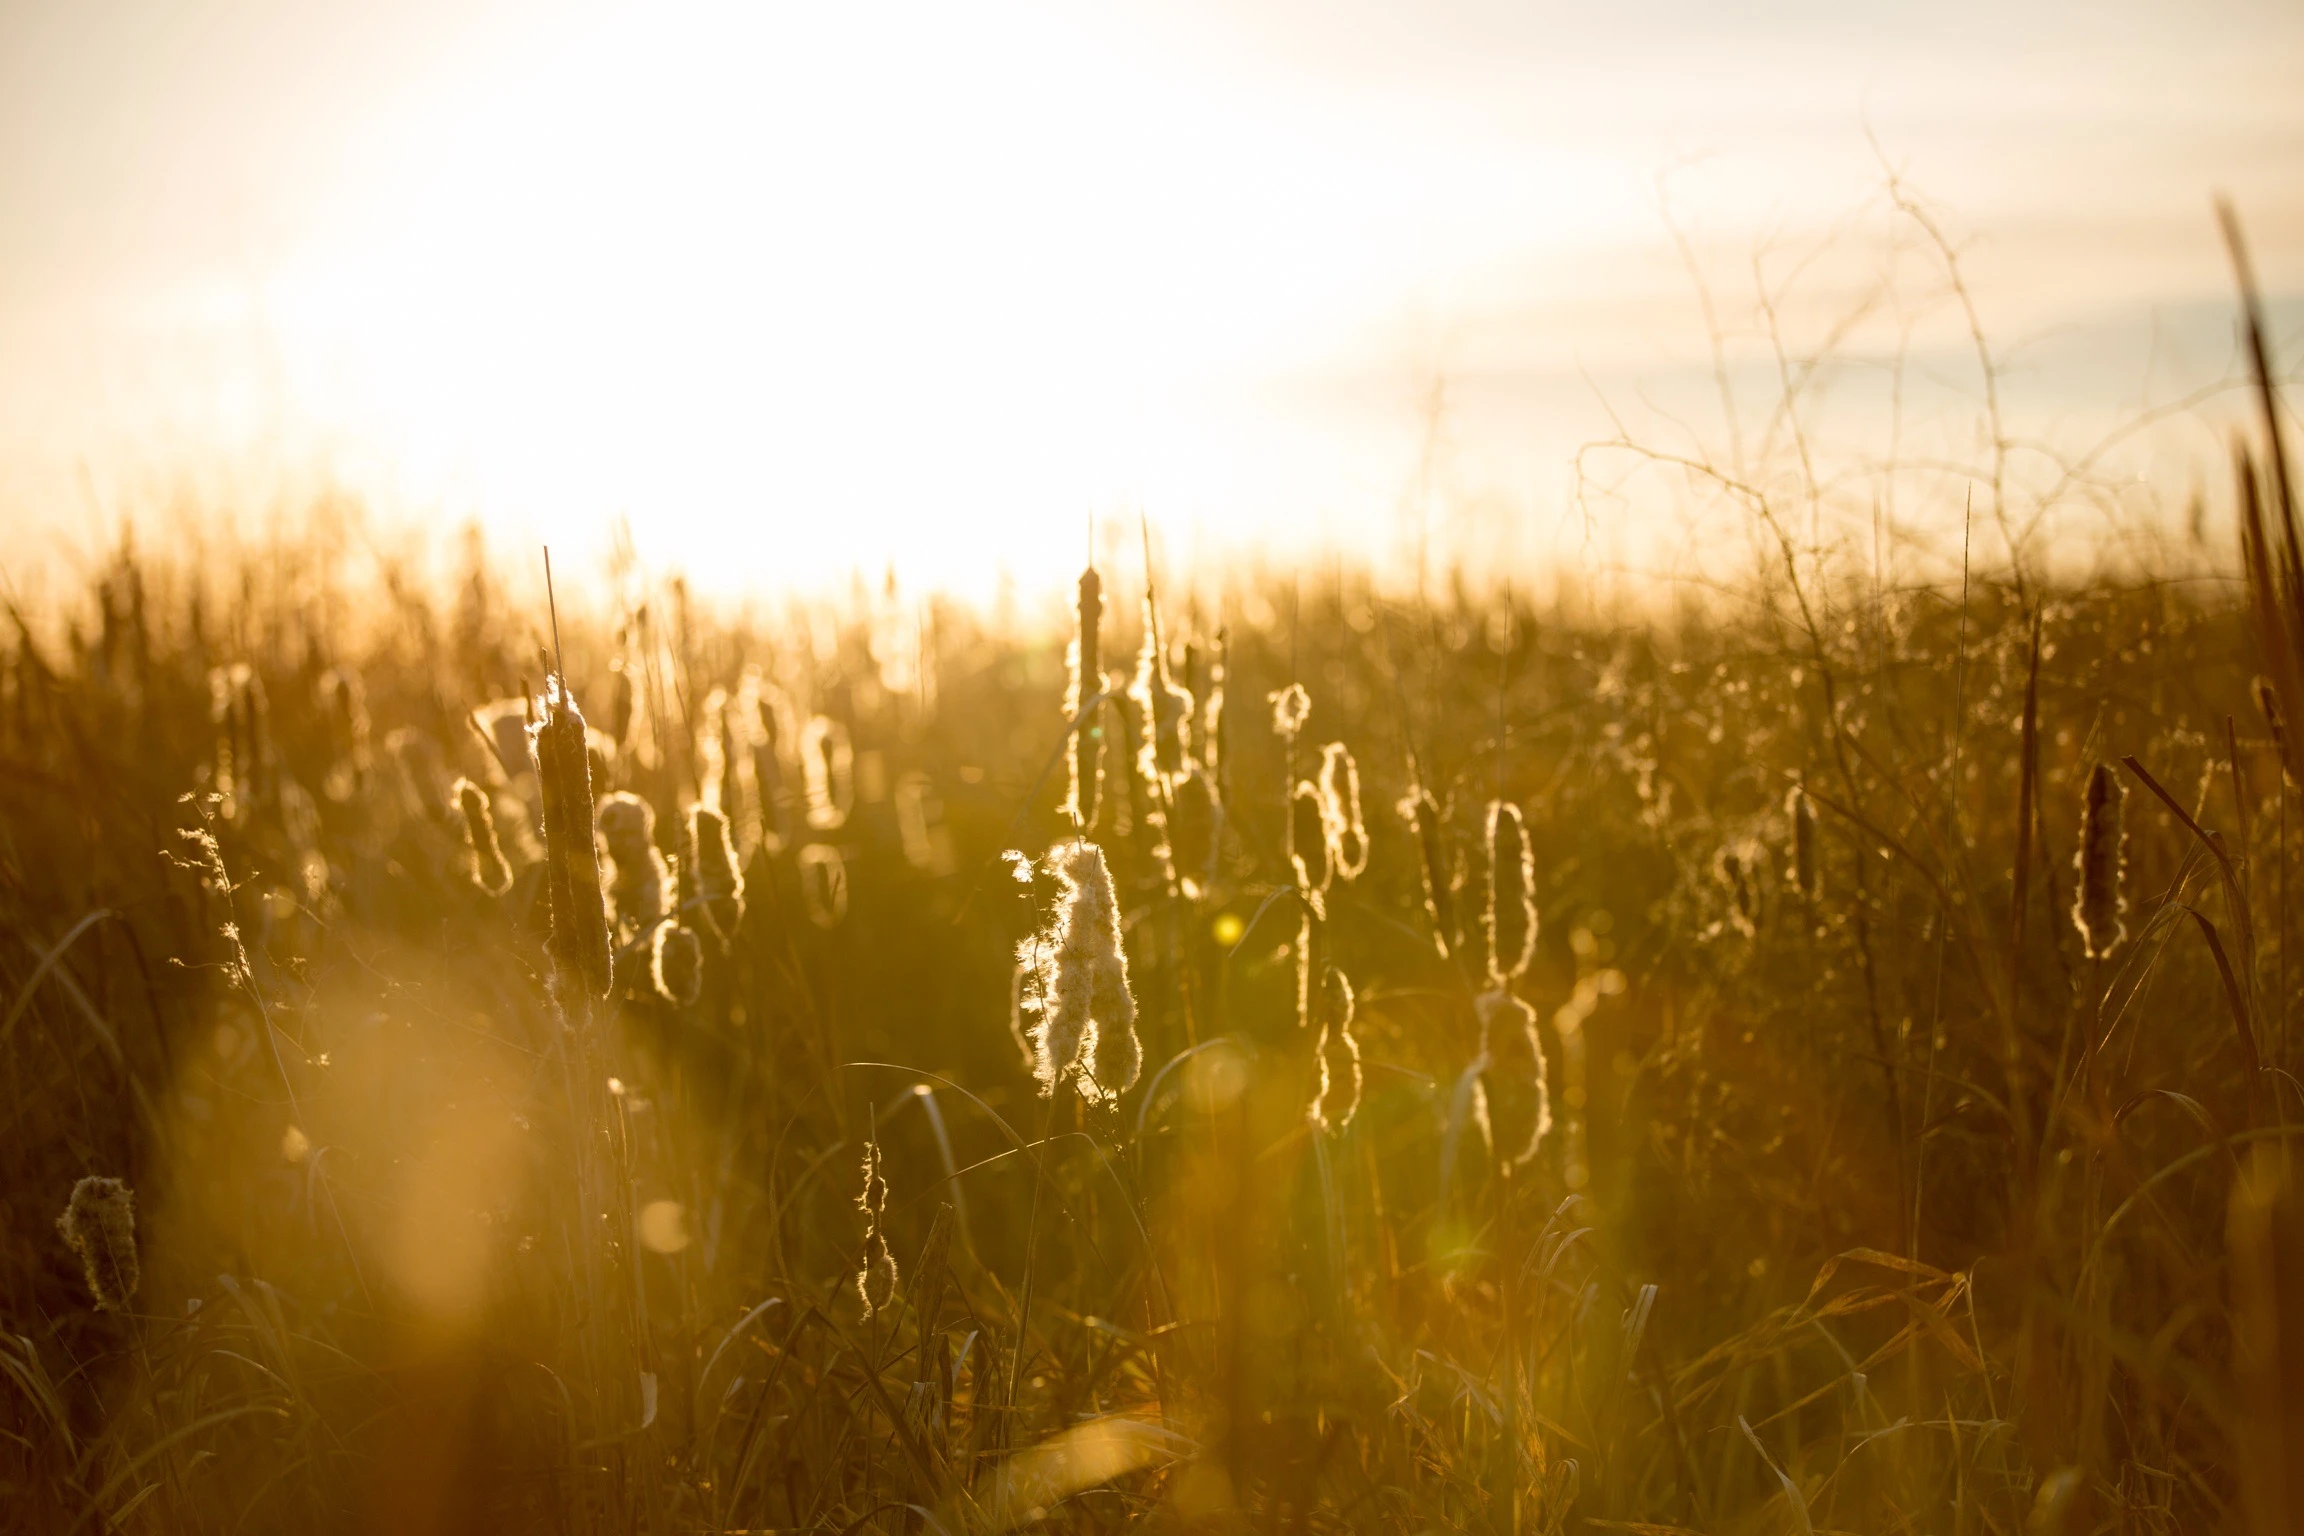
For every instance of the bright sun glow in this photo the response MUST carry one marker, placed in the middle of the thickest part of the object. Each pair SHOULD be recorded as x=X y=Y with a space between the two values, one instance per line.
x=799 y=289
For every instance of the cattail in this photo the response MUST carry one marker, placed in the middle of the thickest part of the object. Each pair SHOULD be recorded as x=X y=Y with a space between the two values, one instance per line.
x=99 y=1226
x=719 y=884
x=1517 y=1078
x=1291 y=707
x=1086 y=680
x=1338 y=1054
x=676 y=963
x=1213 y=735
x=2103 y=865
x=823 y=884
x=1312 y=844
x=828 y=768
x=1164 y=711
x=1423 y=818
x=1801 y=811
x=1192 y=823
x=489 y=871
x=2268 y=705
x=1743 y=903
x=876 y=1271
x=620 y=702
x=503 y=724
x=1087 y=1016
x=580 y=940
x=1340 y=788
x=638 y=882
x=1508 y=916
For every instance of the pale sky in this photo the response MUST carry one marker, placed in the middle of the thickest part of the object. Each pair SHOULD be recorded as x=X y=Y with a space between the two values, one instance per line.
x=800 y=287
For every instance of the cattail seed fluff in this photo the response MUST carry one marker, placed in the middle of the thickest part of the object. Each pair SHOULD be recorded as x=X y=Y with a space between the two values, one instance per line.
x=1515 y=1074
x=1423 y=817
x=99 y=1226
x=490 y=872
x=1340 y=789
x=2103 y=864
x=1807 y=877
x=638 y=881
x=580 y=947
x=676 y=963
x=876 y=1272
x=1312 y=843
x=1086 y=677
x=823 y=884
x=1508 y=916
x=1337 y=1098
x=719 y=884
x=1086 y=1006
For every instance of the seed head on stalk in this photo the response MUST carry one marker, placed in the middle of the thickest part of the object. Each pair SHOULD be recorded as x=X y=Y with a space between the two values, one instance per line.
x=489 y=870
x=876 y=1271
x=1801 y=811
x=1514 y=1073
x=1338 y=1098
x=1078 y=983
x=579 y=944
x=638 y=881
x=676 y=963
x=1508 y=919
x=1086 y=681
x=1422 y=814
x=712 y=862
x=2103 y=864
x=1340 y=789
x=99 y=1226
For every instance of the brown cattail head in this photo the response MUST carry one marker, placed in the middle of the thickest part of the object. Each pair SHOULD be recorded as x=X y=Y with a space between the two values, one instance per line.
x=99 y=1226
x=638 y=880
x=1312 y=844
x=1087 y=1015
x=1163 y=711
x=1086 y=681
x=489 y=870
x=1806 y=877
x=1735 y=874
x=2268 y=705
x=1514 y=1074
x=1423 y=817
x=1508 y=917
x=2103 y=864
x=823 y=884
x=620 y=702
x=1337 y=1098
x=676 y=963
x=1291 y=707
x=1192 y=830
x=1340 y=788
x=828 y=772
x=719 y=884
x=876 y=1271
x=580 y=947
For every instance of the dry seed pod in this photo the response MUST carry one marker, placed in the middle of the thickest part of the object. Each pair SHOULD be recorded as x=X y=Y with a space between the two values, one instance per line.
x=1291 y=707
x=1163 y=711
x=676 y=963
x=99 y=1226
x=620 y=702
x=1086 y=663
x=1423 y=818
x=490 y=872
x=1192 y=822
x=1340 y=788
x=2103 y=864
x=828 y=764
x=579 y=946
x=1801 y=812
x=1338 y=1054
x=1515 y=1074
x=638 y=883
x=1508 y=917
x=719 y=884
x=823 y=884
x=1743 y=901
x=1311 y=847
x=1088 y=1015
x=876 y=1272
